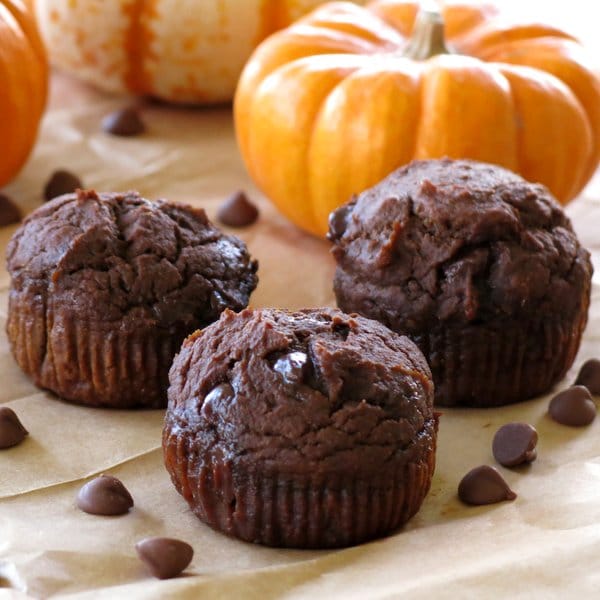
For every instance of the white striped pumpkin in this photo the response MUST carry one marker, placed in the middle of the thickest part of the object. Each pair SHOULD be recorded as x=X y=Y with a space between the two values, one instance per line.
x=187 y=51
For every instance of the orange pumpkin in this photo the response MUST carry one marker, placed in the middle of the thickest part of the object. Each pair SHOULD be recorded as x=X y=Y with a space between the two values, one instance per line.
x=329 y=106
x=23 y=85
x=189 y=51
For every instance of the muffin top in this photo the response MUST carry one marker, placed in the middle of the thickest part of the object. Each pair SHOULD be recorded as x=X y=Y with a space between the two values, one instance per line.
x=458 y=241
x=118 y=258
x=315 y=391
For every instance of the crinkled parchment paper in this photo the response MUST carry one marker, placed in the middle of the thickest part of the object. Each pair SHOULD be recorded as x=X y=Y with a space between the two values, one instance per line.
x=544 y=544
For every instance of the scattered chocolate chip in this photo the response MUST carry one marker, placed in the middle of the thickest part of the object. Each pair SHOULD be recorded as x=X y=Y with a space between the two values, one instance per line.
x=484 y=485
x=573 y=406
x=514 y=444
x=124 y=122
x=589 y=376
x=292 y=366
x=164 y=557
x=12 y=431
x=223 y=392
x=237 y=211
x=9 y=211
x=61 y=182
x=104 y=495
x=338 y=221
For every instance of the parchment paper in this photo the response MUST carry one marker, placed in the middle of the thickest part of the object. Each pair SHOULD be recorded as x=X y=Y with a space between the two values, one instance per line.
x=544 y=544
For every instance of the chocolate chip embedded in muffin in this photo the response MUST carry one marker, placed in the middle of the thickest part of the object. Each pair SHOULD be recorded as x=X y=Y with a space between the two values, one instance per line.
x=105 y=287
x=479 y=267
x=300 y=429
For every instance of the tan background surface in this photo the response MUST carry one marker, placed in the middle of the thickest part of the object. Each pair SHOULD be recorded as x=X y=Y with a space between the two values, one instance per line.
x=544 y=544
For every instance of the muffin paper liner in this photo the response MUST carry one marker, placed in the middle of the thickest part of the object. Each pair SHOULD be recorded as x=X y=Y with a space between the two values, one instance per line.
x=81 y=364
x=291 y=510
x=493 y=364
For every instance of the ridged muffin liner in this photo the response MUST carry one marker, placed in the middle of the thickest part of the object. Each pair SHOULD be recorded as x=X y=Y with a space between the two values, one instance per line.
x=497 y=363
x=270 y=506
x=84 y=364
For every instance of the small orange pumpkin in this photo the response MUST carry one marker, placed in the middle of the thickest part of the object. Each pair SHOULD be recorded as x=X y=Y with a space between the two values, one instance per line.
x=329 y=106
x=23 y=85
x=188 y=51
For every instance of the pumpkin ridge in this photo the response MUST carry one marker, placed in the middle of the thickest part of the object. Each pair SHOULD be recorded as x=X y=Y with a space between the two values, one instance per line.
x=279 y=136
x=274 y=15
x=496 y=32
x=138 y=45
x=562 y=58
x=312 y=201
x=28 y=28
x=520 y=78
x=371 y=29
x=391 y=80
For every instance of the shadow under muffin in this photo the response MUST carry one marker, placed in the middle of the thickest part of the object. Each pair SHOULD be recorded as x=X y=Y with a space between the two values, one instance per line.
x=105 y=287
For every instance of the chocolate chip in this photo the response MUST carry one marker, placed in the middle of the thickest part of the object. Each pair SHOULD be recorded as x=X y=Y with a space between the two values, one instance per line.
x=164 y=557
x=338 y=221
x=589 y=376
x=214 y=398
x=484 y=485
x=61 y=182
x=573 y=406
x=9 y=211
x=342 y=328
x=237 y=211
x=514 y=444
x=124 y=122
x=292 y=366
x=104 y=495
x=12 y=431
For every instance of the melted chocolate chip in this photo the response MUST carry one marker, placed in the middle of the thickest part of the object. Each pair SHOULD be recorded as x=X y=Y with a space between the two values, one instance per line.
x=589 y=376
x=514 y=444
x=484 y=485
x=341 y=328
x=237 y=211
x=293 y=367
x=9 y=212
x=338 y=221
x=125 y=122
x=104 y=495
x=61 y=182
x=164 y=557
x=12 y=431
x=573 y=406
x=216 y=397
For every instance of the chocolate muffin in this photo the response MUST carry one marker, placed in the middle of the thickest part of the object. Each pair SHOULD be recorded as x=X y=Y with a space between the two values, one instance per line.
x=479 y=267
x=105 y=287
x=307 y=429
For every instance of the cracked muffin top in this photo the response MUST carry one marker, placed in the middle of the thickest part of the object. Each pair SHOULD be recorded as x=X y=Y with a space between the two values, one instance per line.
x=120 y=258
x=456 y=241
x=317 y=391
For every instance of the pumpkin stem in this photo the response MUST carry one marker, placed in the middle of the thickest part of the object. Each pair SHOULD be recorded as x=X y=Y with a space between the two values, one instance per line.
x=427 y=38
